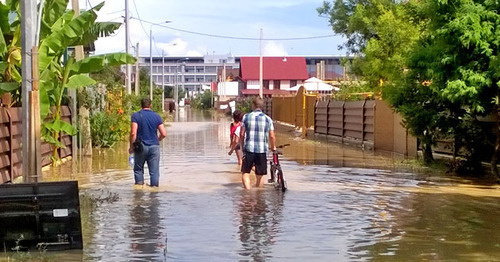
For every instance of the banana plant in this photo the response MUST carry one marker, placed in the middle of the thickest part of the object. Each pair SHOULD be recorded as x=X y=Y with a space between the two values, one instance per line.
x=61 y=29
x=10 y=50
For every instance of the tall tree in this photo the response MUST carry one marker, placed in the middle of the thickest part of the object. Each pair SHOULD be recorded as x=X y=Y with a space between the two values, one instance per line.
x=378 y=32
x=457 y=57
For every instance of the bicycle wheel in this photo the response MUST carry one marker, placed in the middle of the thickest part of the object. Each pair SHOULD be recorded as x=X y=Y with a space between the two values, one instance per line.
x=273 y=173
x=281 y=181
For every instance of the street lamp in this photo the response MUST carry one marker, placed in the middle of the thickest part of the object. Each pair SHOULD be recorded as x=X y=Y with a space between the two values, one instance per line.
x=176 y=91
x=151 y=58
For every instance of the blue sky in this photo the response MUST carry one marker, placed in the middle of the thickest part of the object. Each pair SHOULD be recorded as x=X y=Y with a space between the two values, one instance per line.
x=237 y=18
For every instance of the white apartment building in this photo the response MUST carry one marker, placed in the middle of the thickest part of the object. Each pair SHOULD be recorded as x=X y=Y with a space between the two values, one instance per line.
x=190 y=73
x=196 y=72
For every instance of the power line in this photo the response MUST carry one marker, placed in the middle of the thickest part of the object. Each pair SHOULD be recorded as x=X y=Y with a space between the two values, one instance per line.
x=144 y=29
x=156 y=47
x=248 y=38
x=118 y=11
x=91 y=7
x=234 y=37
x=139 y=18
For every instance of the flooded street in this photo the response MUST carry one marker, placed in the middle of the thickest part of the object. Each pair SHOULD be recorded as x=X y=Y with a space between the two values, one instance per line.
x=343 y=204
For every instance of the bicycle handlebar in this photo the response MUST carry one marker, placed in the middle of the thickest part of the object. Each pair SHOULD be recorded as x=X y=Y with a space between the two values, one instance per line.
x=282 y=146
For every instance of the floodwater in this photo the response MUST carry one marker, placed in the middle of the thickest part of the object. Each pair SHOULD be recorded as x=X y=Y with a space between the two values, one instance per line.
x=343 y=204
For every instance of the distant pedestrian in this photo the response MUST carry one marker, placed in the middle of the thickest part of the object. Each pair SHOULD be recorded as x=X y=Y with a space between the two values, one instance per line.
x=145 y=127
x=234 y=134
x=257 y=133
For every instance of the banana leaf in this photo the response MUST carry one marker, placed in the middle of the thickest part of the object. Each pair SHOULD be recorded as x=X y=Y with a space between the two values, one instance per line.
x=69 y=35
x=53 y=11
x=77 y=81
x=8 y=87
x=97 y=63
x=100 y=29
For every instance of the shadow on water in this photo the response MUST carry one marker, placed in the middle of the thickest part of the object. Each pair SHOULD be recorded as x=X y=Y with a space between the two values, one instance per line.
x=343 y=204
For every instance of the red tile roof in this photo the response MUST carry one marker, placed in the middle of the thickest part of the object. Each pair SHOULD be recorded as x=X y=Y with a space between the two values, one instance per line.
x=274 y=68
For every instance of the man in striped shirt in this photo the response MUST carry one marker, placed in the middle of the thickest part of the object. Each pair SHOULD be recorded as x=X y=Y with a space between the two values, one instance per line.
x=257 y=135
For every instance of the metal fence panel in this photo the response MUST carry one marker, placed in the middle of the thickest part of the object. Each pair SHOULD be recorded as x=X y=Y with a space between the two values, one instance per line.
x=321 y=117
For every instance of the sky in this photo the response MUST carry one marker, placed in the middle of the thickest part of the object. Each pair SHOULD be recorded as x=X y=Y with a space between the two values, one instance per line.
x=191 y=21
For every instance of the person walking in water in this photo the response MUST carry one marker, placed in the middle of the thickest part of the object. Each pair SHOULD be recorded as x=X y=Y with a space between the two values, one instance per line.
x=234 y=135
x=145 y=124
x=257 y=132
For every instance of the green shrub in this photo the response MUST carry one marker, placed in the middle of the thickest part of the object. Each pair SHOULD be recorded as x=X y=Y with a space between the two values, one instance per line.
x=245 y=105
x=355 y=91
x=103 y=129
x=203 y=101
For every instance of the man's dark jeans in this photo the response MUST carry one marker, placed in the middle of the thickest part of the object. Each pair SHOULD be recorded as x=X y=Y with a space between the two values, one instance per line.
x=151 y=155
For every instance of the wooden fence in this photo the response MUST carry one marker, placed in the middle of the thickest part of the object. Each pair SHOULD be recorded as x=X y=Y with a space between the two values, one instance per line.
x=10 y=143
x=290 y=109
x=369 y=123
x=354 y=119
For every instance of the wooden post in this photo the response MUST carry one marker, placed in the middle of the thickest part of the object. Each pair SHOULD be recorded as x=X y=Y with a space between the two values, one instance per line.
x=363 y=123
x=304 y=117
x=36 y=169
x=11 y=145
x=343 y=122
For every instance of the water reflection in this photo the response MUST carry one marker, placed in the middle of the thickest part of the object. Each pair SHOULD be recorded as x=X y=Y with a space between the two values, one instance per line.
x=259 y=223
x=343 y=204
x=146 y=239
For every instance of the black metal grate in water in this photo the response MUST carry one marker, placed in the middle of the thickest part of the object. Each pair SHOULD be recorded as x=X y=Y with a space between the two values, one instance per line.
x=40 y=215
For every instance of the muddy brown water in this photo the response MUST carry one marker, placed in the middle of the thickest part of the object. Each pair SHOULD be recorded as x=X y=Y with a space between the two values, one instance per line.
x=343 y=204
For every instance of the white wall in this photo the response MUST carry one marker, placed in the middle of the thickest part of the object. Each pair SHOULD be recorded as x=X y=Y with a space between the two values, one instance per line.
x=284 y=85
x=227 y=88
x=253 y=84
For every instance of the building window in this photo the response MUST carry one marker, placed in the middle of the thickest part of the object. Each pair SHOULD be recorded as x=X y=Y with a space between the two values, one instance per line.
x=293 y=83
x=276 y=84
x=266 y=84
x=210 y=69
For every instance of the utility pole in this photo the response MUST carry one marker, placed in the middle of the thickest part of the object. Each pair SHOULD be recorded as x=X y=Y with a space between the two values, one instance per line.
x=127 y=36
x=28 y=27
x=162 y=81
x=224 y=81
x=261 y=80
x=151 y=64
x=137 y=70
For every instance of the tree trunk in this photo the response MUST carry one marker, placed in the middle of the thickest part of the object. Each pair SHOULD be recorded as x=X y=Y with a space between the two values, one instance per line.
x=427 y=151
x=494 y=157
x=84 y=118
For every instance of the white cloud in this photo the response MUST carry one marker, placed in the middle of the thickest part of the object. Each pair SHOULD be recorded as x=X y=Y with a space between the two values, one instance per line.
x=178 y=47
x=219 y=18
x=272 y=48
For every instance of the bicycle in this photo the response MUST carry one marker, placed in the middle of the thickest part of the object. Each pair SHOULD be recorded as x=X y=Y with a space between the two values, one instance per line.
x=277 y=178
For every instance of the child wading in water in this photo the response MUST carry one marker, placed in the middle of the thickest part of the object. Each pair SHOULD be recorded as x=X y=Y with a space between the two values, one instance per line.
x=235 y=135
